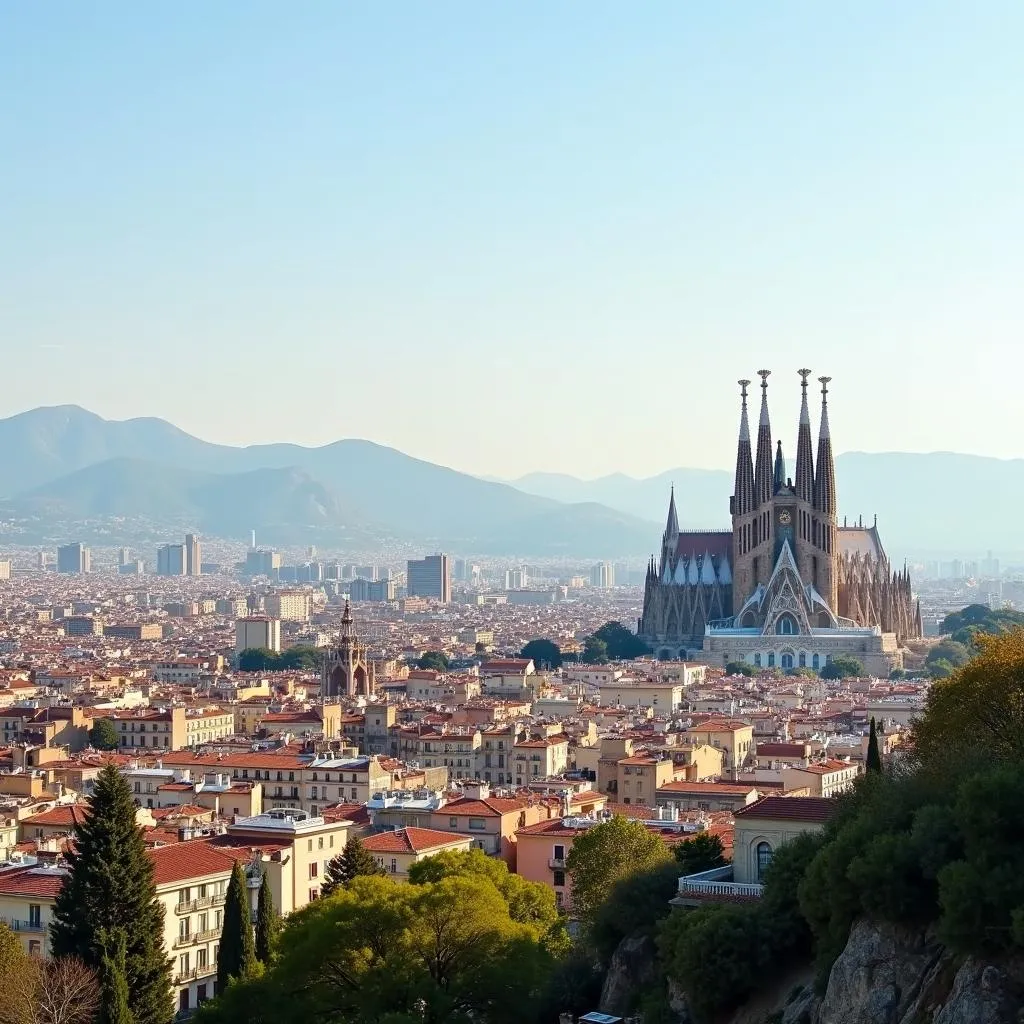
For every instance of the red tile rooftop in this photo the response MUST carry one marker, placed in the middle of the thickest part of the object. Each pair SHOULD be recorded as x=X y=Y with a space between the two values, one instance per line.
x=790 y=808
x=411 y=840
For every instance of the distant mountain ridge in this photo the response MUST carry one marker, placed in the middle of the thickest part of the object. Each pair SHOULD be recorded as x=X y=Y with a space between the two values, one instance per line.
x=925 y=502
x=65 y=462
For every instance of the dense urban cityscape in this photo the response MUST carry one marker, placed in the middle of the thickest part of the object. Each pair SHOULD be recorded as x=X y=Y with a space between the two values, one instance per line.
x=508 y=513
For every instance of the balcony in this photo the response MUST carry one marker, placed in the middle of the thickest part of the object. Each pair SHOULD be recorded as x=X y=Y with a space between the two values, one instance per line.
x=194 y=938
x=714 y=886
x=556 y=863
x=17 y=925
x=202 y=903
x=183 y=977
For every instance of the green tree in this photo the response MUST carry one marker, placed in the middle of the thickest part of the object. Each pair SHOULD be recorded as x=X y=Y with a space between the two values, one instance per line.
x=843 y=667
x=622 y=643
x=873 y=761
x=951 y=652
x=543 y=652
x=446 y=952
x=257 y=659
x=979 y=709
x=604 y=854
x=739 y=668
x=353 y=861
x=268 y=922
x=701 y=853
x=237 y=957
x=110 y=890
x=19 y=979
x=635 y=904
x=114 y=994
x=595 y=651
x=436 y=660
x=103 y=735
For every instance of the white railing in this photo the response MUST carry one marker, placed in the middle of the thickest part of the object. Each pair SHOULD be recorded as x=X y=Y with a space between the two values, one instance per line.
x=718 y=882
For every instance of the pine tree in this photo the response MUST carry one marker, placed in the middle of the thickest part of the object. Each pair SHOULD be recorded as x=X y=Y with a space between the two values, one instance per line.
x=353 y=861
x=874 y=758
x=114 y=1008
x=267 y=922
x=237 y=956
x=110 y=890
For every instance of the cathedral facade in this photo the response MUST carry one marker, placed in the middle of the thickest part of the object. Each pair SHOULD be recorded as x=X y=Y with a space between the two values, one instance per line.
x=787 y=586
x=347 y=672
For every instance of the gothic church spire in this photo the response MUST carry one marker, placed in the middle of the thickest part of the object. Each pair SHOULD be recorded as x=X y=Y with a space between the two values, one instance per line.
x=763 y=460
x=743 y=486
x=825 y=477
x=804 y=452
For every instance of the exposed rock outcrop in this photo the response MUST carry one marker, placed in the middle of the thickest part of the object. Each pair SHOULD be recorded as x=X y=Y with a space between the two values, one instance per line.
x=879 y=976
x=633 y=969
x=983 y=994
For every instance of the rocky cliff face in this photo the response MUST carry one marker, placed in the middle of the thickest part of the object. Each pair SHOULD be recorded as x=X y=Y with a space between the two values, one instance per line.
x=891 y=975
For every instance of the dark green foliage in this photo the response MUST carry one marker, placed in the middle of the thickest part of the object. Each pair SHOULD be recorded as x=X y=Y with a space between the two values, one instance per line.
x=103 y=735
x=260 y=659
x=701 y=853
x=237 y=958
x=436 y=660
x=635 y=905
x=114 y=995
x=873 y=761
x=949 y=654
x=543 y=652
x=739 y=668
x=982 y=619
x=268 y=922
x=843 y=667
x=353 y=861
x=621 y=643
x=595 y=651
x=110 y=892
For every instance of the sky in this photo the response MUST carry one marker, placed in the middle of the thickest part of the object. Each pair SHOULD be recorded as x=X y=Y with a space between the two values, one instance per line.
x=506 y=238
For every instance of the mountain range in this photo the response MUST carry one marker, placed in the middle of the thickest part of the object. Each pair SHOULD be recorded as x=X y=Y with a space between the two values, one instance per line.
x=67 y=465
x=928 y=504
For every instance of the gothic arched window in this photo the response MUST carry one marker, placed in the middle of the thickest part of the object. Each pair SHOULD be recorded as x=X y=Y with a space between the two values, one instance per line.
x=785 y=625
x=764 y=858
x=815 y=661
x=787 y=660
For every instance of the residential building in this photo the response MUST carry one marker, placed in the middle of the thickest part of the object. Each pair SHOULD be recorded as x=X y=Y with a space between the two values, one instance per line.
x=257 y=631
x=539 y=758
x=193 y=555
x=765 y=825
x=824 y=778
x=171 y=560
x=397 y=851
x=289 y=605
x=735 y=738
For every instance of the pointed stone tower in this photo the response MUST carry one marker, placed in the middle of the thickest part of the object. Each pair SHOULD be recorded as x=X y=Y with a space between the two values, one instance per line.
x=826 y=527
x=346 y=670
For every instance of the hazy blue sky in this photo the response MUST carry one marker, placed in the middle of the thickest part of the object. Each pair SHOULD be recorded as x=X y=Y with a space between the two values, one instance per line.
x=521 y=236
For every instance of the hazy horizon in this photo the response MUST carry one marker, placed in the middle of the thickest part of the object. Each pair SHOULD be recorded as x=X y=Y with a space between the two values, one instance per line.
x=464 y=232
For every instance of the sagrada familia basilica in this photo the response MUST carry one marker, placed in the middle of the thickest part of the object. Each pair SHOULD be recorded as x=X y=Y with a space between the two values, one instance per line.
x=787 y=586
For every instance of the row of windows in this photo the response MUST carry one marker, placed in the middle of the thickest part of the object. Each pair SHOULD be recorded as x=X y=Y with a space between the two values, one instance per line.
x=786 y=660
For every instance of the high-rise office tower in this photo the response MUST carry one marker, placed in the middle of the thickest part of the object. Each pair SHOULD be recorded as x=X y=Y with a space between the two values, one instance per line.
x=73 y=558
x=171 y=560
x=193 y=556
x=603 y=575
x=430 y=577
x=124 y=556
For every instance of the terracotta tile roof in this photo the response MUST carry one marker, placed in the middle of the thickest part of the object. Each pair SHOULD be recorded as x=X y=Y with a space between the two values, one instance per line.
x=31 y=881
x=491 y=807
x=195 y=859
x=781 y=750
x=412 y=840
x=709 y=788
x=67 y=816
x=790 y=808
x=720 y=725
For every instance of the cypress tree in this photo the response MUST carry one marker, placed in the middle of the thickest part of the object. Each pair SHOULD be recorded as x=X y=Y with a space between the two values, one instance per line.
x=237 y=956
x=874 y=758
x=114 y=1008
x=267 y=922
x=353 y=861
x=110 y=891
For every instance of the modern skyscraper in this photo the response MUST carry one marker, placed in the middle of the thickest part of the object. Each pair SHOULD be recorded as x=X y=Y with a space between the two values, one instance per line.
x=430 y=577
x=603 y=575
x=257 y=631
x=74 y=558
x=193 y=556
x=171 y=560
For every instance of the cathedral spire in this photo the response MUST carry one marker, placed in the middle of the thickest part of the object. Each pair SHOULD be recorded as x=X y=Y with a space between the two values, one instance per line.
x=743 y=486
x=804 y=450
x=825 y=478
x=763 y=461
x=672 y=523
x=779 y=474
